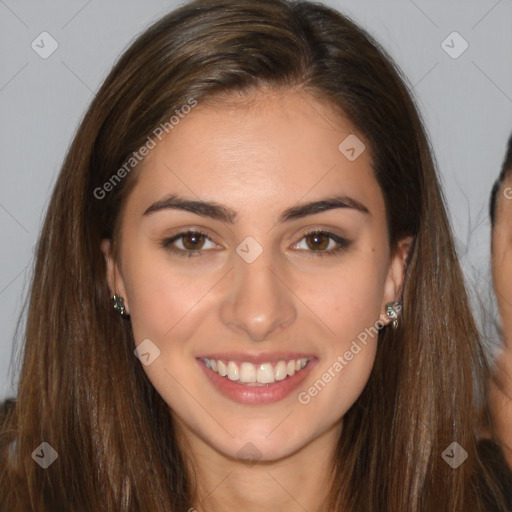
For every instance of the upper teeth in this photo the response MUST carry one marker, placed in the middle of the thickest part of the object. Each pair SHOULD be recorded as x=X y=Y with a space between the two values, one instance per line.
x=256 y=374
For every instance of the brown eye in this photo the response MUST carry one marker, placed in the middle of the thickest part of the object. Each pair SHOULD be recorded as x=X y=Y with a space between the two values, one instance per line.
x=317 y=241
x=193 y=240
x=192 y=243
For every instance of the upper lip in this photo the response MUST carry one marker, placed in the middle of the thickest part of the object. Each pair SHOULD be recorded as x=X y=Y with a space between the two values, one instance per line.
x=261 y=358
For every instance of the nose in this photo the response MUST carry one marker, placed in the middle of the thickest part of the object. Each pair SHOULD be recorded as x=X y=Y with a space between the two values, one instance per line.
x=259 y=301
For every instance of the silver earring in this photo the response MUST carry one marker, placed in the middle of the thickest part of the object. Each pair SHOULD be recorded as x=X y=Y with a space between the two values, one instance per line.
x=118 y=303
x=392 y=309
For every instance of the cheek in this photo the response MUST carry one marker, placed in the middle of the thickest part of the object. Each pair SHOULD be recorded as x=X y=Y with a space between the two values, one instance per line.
x=168 y=306
x=348 y=302
x=502 y=265
x=349 y=298
x=162 y=294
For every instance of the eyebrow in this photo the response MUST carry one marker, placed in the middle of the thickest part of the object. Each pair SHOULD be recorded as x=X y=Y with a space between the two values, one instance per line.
x=225 y=214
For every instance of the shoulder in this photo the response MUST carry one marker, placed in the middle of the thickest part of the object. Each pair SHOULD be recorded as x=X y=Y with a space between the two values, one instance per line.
x=494 y=464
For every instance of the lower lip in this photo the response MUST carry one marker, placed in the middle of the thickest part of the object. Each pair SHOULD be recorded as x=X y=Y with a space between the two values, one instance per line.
x=266 y=394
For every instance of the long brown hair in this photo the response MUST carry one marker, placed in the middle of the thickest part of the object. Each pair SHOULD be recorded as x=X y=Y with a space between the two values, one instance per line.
x=82 y=390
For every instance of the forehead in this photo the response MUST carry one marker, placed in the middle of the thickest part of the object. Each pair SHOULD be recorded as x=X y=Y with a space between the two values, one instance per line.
x=259 y=151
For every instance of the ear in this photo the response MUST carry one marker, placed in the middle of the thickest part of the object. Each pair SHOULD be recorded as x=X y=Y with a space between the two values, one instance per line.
x=114 y=277
x=393 y=285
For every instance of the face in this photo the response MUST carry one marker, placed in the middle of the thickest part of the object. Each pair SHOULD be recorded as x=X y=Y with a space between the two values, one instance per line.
x=250 y=280
x=502 y=276
x=502 y=258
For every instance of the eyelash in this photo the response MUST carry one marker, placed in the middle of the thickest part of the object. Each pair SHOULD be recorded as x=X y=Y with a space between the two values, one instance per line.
x=343 y=244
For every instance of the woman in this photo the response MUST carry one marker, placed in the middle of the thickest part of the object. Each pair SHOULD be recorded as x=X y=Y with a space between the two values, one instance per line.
x=246 y=294
x=500 y=392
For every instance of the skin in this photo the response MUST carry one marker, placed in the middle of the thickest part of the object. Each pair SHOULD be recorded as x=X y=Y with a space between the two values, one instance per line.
x=259 y=159
x=501 y=400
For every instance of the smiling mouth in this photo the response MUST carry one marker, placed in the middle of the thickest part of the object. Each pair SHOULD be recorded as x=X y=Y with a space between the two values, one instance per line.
x=250 y=374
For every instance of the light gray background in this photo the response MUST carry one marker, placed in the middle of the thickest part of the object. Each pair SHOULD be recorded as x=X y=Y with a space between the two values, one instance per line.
x=466 y=103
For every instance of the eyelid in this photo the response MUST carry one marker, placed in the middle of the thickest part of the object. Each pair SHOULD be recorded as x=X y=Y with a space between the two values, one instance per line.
x=342 y=243
x=168 y=241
